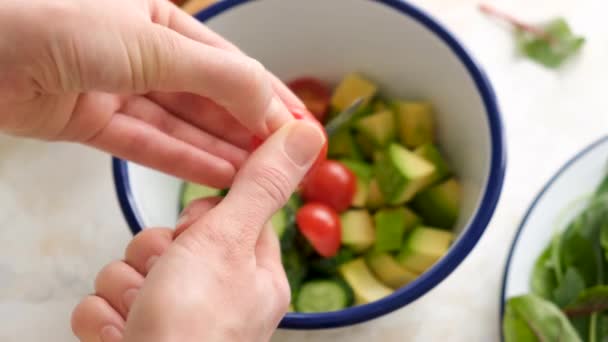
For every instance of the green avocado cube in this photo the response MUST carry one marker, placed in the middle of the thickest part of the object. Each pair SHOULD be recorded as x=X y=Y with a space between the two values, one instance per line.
x=357 y=229
x=391 y=225
x=386 y=268
x=379 y=127
x=439 y=205
x=416 y=125
x=431 y=153
x=343 y=145
x=363 y=173
x=423 y=247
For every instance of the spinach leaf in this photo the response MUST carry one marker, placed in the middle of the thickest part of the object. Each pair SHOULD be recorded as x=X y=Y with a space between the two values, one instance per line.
x=602 y=189
x=589 y=301
x=531 y=318
x=569 y=288
x=552 y=48
x=543 y=280
x=579 y=253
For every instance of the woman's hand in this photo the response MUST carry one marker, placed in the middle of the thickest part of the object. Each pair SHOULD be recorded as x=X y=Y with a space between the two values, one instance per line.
x=137 y=78
x=218 y=277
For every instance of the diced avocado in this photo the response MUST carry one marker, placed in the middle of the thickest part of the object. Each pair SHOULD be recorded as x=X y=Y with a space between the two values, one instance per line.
x=365 y=145
x=363 y=173
x=374 y=196
x=343 y=145
x=388 y=270
x=193 y=191
x=416 y=123
x=365 y=286
x=357 y=229
x=379 y=127
x=379 y=105
x=279 y=222
x=423 y=247
x=391 y=224
x=431 y=153
x=439 y=205
x=352 y=87
x=401 y=174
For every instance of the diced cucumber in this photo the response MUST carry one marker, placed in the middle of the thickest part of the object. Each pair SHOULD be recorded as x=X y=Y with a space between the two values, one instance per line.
x=357 y=229
x=365 y=286
x=363 y=172
x=296 y=269
x=374 y=195
x=391 y=225
x=379 y=127
x=329 y=266
x=439 y=205
x=193 y=191
x=351 y=88
x=423 y=247
x=343 y=145
x=365 y=146
x=288 y=233
x=431 y=153
x=388 y=270
x=416 y=123
x=401 y=174
x=322 y=296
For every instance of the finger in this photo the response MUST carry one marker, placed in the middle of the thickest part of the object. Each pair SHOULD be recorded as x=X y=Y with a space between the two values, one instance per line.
x=119 y=284
x=146 y=247
x=268 y=251
x=265 y=182
x=193 y=212
x=234 y=81
x=95 y=320
x=167 y=14
x=155 y=115
x=201 y=112
x=132 y=139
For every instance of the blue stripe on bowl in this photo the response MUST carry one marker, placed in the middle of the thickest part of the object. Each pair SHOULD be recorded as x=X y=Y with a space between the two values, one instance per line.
x=524 y=220
x=460 y=249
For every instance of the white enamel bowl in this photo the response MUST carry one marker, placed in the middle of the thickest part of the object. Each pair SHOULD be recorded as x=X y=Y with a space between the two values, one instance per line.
x=411 y=56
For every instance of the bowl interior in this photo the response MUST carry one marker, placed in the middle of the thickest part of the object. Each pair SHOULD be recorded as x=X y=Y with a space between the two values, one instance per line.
x=551 y=210
x=329 y=39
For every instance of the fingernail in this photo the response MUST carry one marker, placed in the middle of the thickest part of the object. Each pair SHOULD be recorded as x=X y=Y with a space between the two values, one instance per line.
x=303 y=143
x=150 y=263
x=129 y=297
x=110 y=333
x=278 y=115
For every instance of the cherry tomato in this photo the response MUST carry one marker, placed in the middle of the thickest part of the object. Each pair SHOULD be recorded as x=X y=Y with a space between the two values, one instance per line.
x=320 y=225
x=315 y=95
x=331 y=183
x=302 y=114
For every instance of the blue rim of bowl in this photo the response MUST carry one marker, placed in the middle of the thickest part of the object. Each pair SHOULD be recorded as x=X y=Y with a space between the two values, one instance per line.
x=459 y=250
x=524 y=220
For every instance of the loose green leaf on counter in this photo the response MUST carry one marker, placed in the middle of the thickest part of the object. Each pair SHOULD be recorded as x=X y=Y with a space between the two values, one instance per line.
x=549 y=44
x=531 y=318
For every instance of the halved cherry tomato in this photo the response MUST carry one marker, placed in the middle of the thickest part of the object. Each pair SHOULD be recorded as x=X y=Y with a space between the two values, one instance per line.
x=320 y=225
x=314 y=93
x=302 y=114
x=331 y=183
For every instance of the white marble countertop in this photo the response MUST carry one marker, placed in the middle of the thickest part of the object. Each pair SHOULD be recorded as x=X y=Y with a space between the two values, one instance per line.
x=60 y=221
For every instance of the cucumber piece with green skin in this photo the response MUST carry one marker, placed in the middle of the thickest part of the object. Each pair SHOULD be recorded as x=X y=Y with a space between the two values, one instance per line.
x=350 y=89
x=391 y=225
x=363 y=172
x=423 y=247
x=322 y=296
x=431 y=153
x=366 y=287
x=401 y=174
x=284 y=222
x=416 y=125
x=379 y=127
x=343 y=145
x=296 y=269
x=374 y=195
x=357 y=229
x=193 y=191
x=329 y=266
x=439 y=205
x=388 y=270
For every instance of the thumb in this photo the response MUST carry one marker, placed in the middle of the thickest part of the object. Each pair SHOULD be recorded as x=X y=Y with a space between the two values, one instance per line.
x=266 y=181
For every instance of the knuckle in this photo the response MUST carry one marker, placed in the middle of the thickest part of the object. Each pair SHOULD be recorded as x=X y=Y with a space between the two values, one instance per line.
x=273 y=185
x=256 y=85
